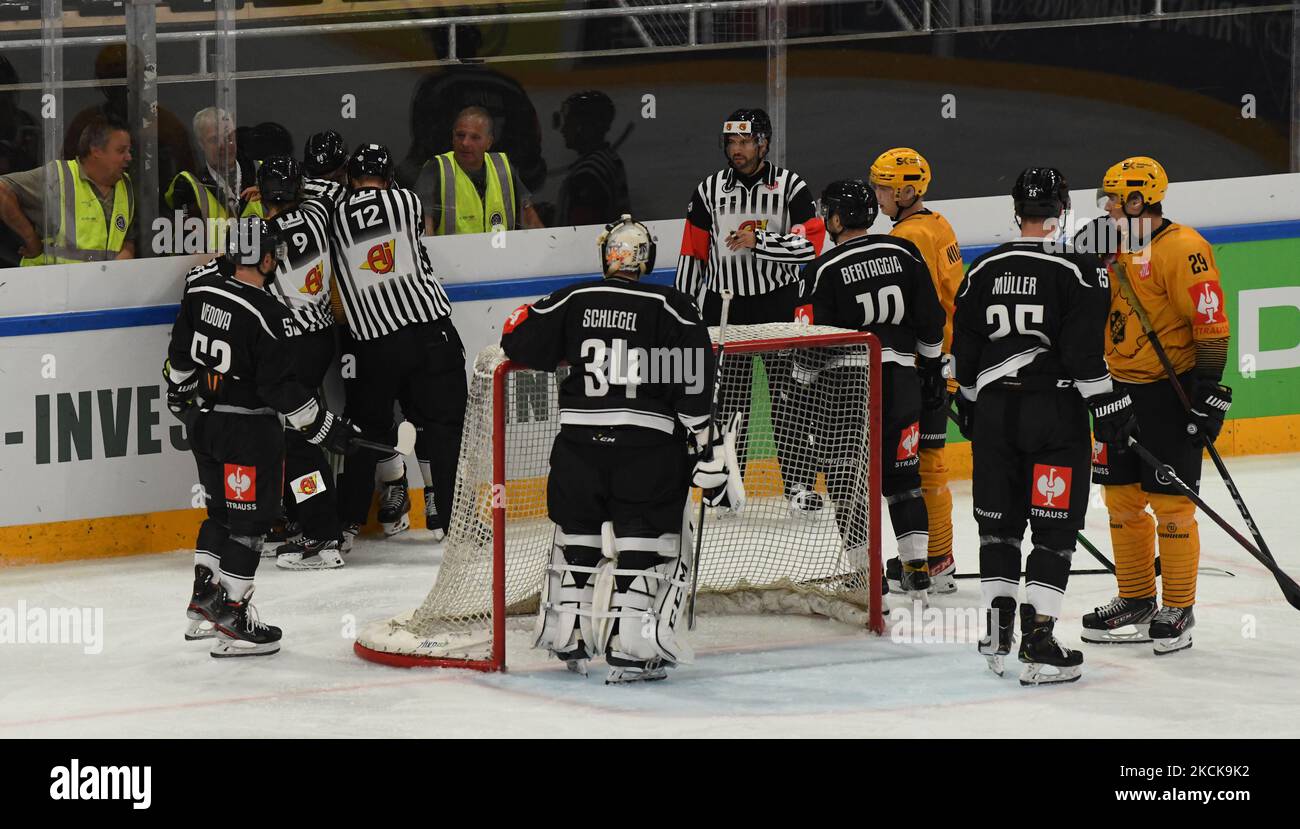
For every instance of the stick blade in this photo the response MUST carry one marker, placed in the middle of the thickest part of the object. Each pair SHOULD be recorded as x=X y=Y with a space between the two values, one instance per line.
x=405 y=438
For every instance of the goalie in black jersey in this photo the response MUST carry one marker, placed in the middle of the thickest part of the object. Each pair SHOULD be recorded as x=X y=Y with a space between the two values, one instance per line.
x=640 y=384
x=1028 y=342
x=230 y=378
x=877 y=283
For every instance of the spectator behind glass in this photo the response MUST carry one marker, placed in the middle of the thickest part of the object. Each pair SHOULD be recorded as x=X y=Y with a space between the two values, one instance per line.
x=594 y=190
x=174 y=151
x=100 y=222
x=444 y=93
x=224 y=183
x=471 y=190
x=20 y=149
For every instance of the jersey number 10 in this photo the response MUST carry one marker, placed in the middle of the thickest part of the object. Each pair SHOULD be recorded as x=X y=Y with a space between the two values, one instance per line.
x=885 y=307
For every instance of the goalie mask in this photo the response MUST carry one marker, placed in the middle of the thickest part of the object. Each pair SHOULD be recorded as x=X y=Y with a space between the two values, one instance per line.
x=626 y=246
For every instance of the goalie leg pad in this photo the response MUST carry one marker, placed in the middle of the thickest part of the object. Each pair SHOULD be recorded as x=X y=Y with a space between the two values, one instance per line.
x=564 y=617
x=649 y=600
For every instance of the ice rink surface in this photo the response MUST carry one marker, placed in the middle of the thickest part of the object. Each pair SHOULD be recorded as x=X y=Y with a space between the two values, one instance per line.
x=769 y=676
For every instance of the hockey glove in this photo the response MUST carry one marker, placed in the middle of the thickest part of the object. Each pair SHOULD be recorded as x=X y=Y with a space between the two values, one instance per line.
x=332 y=432
x=1114 y=419
x=1210 y=403
x=181 y=394
x=934 y=388
x=965 y=415
x=717 y=469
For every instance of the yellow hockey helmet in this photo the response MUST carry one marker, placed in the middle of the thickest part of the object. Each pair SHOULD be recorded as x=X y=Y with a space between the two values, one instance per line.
x=1140 y=174
x=900 y=167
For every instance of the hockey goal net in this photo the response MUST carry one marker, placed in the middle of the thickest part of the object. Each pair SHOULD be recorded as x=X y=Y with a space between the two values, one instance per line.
x=810 y=430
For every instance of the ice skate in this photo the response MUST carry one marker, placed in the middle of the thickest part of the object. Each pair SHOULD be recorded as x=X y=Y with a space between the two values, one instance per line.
x=894 y=575
x=205 y=604
x=431 y=519
x=650 y=671
x=280 y=534
x=1121 y=621
x=240 y=632
x=1001 y=635
x=943 y=575
x=1171 y=629
x=1047 y=661
x=395 y=507
x=916 y=580
x=350 y=533
x=310 y=554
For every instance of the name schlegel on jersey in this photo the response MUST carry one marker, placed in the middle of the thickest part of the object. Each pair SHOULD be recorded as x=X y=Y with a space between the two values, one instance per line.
x=883 y=266
x=77 y=782
x=609 y=318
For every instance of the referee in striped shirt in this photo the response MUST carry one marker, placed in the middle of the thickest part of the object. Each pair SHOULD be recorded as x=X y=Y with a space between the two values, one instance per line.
x=406 y=348
x=750 y=228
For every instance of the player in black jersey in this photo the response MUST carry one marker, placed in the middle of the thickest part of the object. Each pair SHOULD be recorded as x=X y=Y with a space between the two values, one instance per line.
x=641 y=382
x=1028 y=340
x=302 y=284
x=404 y=344
x=325 y=165
x=877 y=283
x=229 y=380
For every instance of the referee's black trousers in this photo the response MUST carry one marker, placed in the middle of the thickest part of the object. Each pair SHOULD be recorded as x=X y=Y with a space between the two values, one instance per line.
x=422 y=367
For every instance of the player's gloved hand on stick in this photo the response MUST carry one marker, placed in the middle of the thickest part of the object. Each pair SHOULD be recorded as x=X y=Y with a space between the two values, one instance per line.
x=1114 y=420
x=717 y=469
x=1210 y=403
x=934 y=388
x=965 y=415
x=332 y=432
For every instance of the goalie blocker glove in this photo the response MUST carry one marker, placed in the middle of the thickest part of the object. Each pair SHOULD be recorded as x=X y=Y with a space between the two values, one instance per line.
x=1113 y=418
x=1210 y=404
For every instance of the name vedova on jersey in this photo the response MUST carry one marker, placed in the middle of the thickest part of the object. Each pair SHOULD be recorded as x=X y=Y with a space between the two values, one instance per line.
x=215 y=316
x=881 y=266
x=1012 y=284
x=609 y=318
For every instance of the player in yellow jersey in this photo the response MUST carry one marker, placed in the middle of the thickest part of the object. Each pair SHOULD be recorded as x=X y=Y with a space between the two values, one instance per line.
x=1169 y=270
x=900 y=178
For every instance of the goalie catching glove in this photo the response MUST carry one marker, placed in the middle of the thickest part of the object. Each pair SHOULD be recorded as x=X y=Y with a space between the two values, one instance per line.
x=717 y=469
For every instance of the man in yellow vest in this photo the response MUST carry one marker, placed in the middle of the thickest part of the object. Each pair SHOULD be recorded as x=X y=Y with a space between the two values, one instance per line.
x=471 y=190
x=93 y=205
x=224 y=187
x=900 y=177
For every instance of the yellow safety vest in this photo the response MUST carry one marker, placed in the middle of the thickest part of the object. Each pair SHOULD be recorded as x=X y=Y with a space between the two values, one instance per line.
x=211 y=208
x=462 y=208
x=82 y=235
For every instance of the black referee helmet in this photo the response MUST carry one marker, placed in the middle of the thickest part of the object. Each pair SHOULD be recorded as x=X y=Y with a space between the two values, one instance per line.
x=279 y=179
x=371 y=160
x=752 y=122
x=325 y=153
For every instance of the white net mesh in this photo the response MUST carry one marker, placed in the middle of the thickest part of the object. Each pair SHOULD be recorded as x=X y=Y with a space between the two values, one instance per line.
x=802 y=544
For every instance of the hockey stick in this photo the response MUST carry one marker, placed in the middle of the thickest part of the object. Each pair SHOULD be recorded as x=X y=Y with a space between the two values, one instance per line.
x=713 y=433
x=1290 y=589
x=1126 y=287
x=405 y=441
x=1084 y=542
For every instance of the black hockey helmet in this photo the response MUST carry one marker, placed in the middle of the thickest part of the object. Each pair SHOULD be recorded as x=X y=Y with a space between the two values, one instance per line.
x=853 y=200
x=592 y=106
x=279 y=179
x=753 y=122
x=324 y=153
x=371 y=160
x=251 y=238
x=1040 y=193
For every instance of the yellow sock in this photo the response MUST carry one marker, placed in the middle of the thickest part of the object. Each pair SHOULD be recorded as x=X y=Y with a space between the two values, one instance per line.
x=1180 y=548
x=938 y=500
x=1133 y=539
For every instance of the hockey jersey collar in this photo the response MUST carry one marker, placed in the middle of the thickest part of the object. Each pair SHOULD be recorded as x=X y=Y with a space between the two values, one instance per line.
x=731 y=178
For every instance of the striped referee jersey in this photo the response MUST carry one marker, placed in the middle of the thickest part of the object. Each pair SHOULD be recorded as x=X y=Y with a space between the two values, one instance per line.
x=381 y=268
x=302 y=284
x=777 y=204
